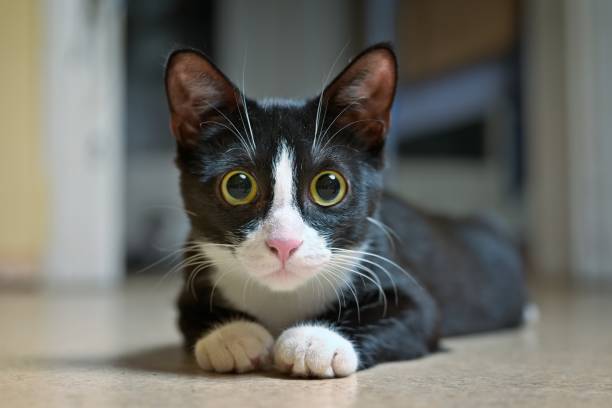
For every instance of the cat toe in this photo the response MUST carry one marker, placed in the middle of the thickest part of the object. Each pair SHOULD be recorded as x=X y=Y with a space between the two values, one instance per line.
x=315 y=352
x=238 y=347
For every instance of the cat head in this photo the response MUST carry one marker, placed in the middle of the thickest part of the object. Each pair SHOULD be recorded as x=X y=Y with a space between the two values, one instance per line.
x=277 y=189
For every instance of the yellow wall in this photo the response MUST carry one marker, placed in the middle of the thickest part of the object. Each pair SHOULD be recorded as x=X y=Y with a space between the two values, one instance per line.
x=22 y=198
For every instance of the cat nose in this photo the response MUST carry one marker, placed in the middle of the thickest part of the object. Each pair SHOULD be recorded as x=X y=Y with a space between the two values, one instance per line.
x=283 y=248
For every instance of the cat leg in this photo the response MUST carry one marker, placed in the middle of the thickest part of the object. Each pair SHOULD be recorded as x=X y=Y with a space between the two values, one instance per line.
x=403 y=329
x=239 y=346
x=312 y=350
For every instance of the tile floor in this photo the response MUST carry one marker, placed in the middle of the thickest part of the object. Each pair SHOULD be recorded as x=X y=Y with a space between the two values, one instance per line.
x=120 y=348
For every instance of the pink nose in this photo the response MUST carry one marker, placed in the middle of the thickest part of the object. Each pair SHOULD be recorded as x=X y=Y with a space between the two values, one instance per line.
x=283 y=248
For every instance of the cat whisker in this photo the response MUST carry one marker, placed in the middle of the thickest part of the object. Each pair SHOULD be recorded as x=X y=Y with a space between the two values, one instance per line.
x=205 y=264
x=338 y=116
x=199 y=260
x=389 y=233
x=214 y=287
x=236 y=133
x=223 y=115
x=223 y=125
x=172 y=207
x=347 y=125
x=192 y=246
x=356 y=261
x=376 y=283
x=350 y=287
x=251 y=146
x=244 y=104
x=159 y=261
x=331 y=284
x=321 y=289
x=352 y=262
x=214 y=244
x=191 y=279
x=382 y=258
x=187 y=262
x=319 y=123
x=244 y=289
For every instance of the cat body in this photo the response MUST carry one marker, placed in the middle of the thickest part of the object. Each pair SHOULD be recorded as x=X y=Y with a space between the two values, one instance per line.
x=296 y=255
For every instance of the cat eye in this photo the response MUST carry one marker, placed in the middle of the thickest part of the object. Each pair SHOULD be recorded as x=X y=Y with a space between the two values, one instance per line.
x=238 y=187
x=328 y=188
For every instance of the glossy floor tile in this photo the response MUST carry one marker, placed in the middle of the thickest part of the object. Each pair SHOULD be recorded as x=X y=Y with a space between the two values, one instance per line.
x=120 y=348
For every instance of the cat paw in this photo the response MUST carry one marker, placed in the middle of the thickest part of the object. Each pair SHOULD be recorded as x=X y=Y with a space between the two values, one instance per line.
x=314 y=351
x=239 y=346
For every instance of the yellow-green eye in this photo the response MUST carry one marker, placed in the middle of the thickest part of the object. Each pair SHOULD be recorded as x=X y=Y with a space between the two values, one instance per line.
x=238 y=187
x=328 y=188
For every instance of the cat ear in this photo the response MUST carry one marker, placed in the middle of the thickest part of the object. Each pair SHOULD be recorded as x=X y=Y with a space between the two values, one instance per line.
x=197 y=92
x=363 y=93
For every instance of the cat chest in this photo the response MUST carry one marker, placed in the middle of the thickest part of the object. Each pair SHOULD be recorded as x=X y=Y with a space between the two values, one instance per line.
x=277 y=310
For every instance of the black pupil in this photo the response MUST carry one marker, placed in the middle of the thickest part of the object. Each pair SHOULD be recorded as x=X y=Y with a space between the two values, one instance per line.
x=239 y=186
x=328 y=187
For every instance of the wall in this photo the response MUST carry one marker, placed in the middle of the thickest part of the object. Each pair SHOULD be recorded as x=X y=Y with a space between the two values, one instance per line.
x=589 y=127
x=288 y=52
x=569 y=122
x=545 y=103
x=83 y=140
x=22 y=192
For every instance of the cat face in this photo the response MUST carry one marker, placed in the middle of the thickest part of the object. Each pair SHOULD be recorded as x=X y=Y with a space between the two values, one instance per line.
x=275 y=189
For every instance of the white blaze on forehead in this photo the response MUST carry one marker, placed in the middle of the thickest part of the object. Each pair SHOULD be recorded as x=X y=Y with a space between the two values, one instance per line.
x=284 y=180
x=284 y=220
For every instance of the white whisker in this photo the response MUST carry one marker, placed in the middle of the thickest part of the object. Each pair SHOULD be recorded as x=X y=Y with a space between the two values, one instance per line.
x=347 y=125
x=238 y=104
x=389 y=233
x=245 y=288
x=347 y=107
x=175 y=252
x=240 y=137
x=318 y=121
x=382 y=258
x=354 y=259
x=336 y=292
x=212 y=291
x=159 y=261
x=376 y=283
x=237 y=132
x=354 y=262
x=172 y=207
x=246 y=109
x=350 y=287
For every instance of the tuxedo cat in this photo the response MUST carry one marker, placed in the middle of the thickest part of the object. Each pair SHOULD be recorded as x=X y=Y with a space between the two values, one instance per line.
x=296 y=256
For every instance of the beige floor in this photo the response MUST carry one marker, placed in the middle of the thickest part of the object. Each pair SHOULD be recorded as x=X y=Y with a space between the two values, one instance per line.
x=119 y=348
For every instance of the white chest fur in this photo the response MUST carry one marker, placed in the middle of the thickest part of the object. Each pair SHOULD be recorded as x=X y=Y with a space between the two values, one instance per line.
x=279 y=310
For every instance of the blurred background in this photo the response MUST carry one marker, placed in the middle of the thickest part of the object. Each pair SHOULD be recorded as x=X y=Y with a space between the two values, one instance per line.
x=503 y=107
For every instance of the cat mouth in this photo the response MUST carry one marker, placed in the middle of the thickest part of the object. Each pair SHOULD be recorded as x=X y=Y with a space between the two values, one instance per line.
x=283 y=277
x=280 y=274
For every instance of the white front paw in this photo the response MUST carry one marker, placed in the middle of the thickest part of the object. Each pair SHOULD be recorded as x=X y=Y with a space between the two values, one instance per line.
x=239 y=346
x=314 y=351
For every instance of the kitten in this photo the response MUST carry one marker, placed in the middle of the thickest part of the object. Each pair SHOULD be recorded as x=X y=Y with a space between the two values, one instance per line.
x=296 y=257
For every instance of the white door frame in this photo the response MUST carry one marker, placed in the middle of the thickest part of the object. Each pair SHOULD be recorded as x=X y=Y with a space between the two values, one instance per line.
x=569 y=123
x=83 y=140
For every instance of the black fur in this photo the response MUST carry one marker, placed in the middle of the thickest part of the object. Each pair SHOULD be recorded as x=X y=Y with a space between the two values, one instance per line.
x=464 y=276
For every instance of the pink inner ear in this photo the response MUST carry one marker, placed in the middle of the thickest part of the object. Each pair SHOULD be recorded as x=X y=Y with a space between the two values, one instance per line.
x=196 y=90
x=365 y=91
x=190 y=105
